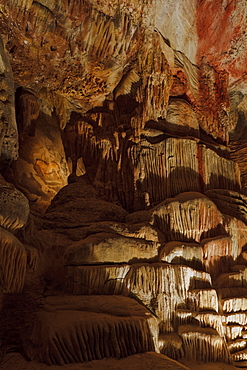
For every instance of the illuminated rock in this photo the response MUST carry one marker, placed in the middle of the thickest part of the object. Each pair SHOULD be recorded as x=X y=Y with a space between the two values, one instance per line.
x=203 y=344
x=141 y=109
x=109 y=248
x=187 y=217
x=182 y=253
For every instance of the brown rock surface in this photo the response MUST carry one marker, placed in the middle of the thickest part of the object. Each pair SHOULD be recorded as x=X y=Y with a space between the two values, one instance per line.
x=131 y=129
x=77 y=329
x=14 y=205
x=146 y=361
x=8 y=127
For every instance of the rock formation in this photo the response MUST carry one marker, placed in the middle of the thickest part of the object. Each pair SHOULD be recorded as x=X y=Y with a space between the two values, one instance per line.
x=123 y=201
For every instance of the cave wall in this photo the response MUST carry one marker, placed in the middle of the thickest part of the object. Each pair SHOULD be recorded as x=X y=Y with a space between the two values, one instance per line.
x=123 y=181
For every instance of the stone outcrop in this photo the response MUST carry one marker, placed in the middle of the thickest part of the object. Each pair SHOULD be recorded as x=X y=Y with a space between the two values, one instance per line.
x=123 y=206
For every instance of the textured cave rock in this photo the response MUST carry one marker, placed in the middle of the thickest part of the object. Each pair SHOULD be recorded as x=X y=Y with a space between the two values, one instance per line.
x=41 y=169
x=97 y=327
x=8 y=127
x=123 y=183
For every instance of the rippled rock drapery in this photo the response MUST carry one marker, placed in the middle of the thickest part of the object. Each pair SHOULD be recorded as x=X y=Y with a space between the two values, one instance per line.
x=130 y=120
x=14 y=207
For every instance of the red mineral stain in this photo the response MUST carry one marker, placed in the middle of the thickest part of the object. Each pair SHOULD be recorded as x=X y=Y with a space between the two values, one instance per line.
x=221 y=28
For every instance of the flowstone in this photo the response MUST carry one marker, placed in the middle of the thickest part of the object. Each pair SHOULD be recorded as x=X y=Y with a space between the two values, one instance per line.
x=123 y=200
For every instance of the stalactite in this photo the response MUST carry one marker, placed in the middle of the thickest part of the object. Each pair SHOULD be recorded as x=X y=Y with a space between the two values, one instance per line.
x=164 y=287
x=161 y=173
x=160 y=287
x=233 y=332
x=212 y=320
x=219 y=172
x=232 y=299
x=156 y=81
x=182 y=117
x=236 y=345
x=214 y=102
x=239 y=356
x=203 y=299
x=203 y=344
x=236 y=318
x=237 y=230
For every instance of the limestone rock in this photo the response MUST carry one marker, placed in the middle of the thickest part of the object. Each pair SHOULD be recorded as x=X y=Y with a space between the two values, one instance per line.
x=85 y=207
x=218 y=254
x=99 y=279
x=230 y=202
x=79 y=330
x=187 y=217
x=171 y=345
x=8 y=127
x=110 y=248
x=148 y=103
x=195 y=338
x=182 y=253
x=181 y=113
x=41 y=169
x=13 y=262
x=151 y=360
x=14 y=207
